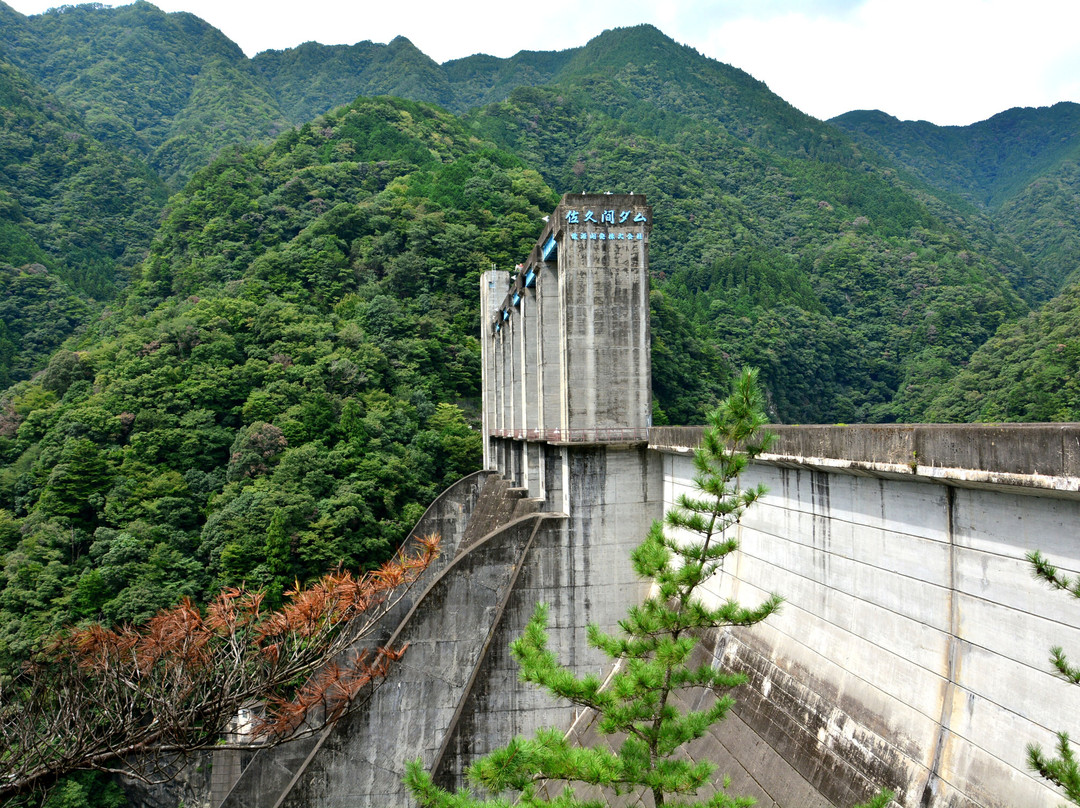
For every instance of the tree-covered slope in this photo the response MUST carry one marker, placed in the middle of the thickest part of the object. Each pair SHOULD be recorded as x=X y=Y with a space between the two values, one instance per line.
x=988 y=161
x=167 y=87
x=784 y=242
x=1043 y=219
x=75 y=217
x=38 y=311
x=69 y=202
x=1018 y=166
x=310 y=79
x=281 y=393
x=1029 y=370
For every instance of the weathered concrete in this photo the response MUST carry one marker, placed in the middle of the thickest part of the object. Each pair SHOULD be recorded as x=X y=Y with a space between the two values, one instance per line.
x=1041 y=456
x=361 y=761
x=754 y=768
x=457 y=693
x=566 y=351
x=912 y=648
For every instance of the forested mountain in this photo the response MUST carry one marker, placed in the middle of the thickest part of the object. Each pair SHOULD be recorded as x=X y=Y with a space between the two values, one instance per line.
x=75 y=216
x=742 y=274
x=168 y=88
x=986 y=162
x=1021 y=170
x=771 y=214
x=786 y=244
x=69 y=202
x=1019 y=167
x=619 y=66
x=312 y=78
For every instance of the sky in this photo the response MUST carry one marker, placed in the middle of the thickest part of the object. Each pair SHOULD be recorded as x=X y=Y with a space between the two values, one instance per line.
x=945 y=61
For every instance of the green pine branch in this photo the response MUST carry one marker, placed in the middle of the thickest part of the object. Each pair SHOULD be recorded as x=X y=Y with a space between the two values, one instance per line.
x=1063 y=770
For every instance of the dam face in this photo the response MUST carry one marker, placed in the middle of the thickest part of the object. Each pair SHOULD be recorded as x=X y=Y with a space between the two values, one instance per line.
x=912 y=649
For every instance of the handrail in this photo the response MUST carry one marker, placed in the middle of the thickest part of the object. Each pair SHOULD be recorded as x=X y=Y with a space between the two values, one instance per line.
x=594 y=435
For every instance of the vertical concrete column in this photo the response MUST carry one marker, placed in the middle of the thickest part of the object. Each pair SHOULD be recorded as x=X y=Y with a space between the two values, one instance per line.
x=530 y=358
x=535 y=470
x=500 y=383
x=549 y=341
x=527 y=376
x=496 y=393
x=642 y=336
x=514 y=353
x=604 y=299
x=506 y=397
x=564 y=355
x=492 y=285
x=532 y=372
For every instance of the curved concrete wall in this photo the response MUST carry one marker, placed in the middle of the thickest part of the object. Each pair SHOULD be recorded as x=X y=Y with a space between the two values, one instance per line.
x=911 y=652
x=361 y=761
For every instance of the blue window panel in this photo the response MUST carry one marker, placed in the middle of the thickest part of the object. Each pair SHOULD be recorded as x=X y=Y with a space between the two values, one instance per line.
x=517 y=298
x=548 y=249
x=530 y=279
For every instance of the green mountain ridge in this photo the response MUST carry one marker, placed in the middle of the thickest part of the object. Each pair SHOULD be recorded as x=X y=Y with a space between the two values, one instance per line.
x=137 y=76
x=769 y=210
x=987 y=162
x=1019 y=167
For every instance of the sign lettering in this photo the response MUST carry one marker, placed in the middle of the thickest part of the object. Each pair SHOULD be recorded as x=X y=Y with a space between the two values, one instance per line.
x=606 y=217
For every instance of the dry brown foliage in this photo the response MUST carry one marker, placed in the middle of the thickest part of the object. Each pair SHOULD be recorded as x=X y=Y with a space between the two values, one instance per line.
x=137 y=699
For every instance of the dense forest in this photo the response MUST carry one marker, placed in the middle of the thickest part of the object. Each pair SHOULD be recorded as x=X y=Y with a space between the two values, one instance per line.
x=238 y=297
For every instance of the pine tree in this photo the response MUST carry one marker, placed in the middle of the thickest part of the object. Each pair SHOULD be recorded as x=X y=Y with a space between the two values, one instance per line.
x=1063 y=770
x=652 y=653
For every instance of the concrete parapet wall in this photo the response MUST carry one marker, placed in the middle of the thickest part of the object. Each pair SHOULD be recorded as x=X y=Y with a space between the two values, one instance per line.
x=1042 y=456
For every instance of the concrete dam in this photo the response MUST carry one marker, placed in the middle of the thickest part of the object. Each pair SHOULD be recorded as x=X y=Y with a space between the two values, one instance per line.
x=912 y=649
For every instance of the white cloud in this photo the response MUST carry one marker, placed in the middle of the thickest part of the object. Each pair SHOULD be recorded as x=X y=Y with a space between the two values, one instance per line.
x=950 y=62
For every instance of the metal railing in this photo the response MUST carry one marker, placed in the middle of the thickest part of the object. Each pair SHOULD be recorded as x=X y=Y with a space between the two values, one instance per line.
x=595 y=435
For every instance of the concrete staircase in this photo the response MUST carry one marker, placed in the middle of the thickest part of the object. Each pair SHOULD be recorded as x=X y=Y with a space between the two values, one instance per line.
x=499 y=503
